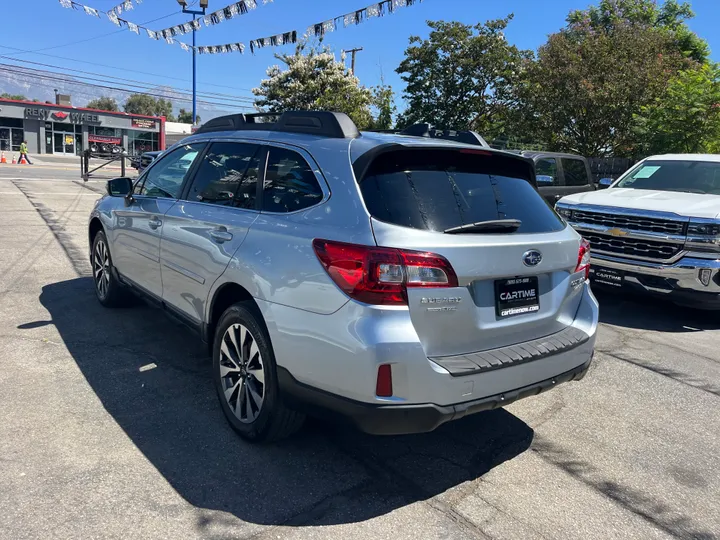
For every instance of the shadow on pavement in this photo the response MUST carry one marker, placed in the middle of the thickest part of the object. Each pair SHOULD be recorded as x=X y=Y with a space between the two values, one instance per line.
x=649 y=313
x=153 y=377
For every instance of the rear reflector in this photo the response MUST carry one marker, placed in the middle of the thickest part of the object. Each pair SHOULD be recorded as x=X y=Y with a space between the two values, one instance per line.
x=384 y=388
x=381 y=276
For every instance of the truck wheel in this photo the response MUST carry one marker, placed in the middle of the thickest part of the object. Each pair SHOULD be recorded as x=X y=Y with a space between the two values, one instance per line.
x=245 y=376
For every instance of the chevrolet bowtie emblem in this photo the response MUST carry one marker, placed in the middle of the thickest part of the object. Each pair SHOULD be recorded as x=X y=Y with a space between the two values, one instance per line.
x=617 y=232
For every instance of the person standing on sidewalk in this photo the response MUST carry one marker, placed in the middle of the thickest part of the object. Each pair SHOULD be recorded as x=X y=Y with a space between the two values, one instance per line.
x=24 y=152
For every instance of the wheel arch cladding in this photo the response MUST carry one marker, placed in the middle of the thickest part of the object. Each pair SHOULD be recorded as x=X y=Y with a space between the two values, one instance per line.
x=94 y=227
x=226 y=295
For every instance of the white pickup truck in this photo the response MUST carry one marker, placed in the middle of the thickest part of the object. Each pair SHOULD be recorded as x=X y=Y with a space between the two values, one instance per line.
x=656 y=228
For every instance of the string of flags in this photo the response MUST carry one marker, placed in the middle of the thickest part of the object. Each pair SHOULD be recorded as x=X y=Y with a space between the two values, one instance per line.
x=358 y=16
x=378 y=9
x=126 y=5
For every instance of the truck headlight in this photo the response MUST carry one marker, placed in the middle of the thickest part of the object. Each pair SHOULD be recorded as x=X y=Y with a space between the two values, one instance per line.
x=703 y=235
x=564 y=211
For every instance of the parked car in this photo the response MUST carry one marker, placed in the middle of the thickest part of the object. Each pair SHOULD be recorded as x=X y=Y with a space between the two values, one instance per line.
x=560 y=174
x=656 y=229
x=400 y=282
x=145 y=159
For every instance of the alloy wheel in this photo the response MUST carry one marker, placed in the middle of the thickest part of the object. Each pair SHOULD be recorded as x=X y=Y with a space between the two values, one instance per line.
x=242 y=374
x=101 y=269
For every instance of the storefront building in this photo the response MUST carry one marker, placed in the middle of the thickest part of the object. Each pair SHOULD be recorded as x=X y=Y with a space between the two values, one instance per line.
x=67 y=130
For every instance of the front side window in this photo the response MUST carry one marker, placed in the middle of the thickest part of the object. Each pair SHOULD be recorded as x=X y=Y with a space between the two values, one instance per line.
x=438 y=190
x=575 y=172
x=227 y=175
x=290 y=184
x=165 y=178
x=702 y=177
x=546 y=172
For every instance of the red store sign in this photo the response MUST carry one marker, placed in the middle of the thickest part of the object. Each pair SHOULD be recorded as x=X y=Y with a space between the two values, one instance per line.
x=104 y=139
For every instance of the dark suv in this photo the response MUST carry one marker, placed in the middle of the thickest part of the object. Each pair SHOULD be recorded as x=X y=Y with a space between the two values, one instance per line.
x=559 y=174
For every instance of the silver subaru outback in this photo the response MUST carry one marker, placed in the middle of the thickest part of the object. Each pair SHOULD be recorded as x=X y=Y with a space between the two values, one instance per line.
x=395 y=281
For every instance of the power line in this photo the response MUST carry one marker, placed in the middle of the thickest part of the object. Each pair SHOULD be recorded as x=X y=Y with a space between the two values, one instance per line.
x=20 y=71
x=125 y=81
x=119 y=68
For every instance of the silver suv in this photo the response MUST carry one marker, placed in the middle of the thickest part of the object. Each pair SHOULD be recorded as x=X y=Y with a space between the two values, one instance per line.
x=396 y=281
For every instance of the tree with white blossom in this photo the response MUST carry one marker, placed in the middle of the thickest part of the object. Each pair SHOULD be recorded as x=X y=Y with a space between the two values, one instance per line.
x=314 y=80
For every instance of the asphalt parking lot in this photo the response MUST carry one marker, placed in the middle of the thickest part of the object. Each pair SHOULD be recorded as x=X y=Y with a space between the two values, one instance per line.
x=110 y=428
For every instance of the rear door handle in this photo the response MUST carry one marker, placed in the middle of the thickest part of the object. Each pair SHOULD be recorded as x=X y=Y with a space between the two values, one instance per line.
x=154 y=223
x=221 y=235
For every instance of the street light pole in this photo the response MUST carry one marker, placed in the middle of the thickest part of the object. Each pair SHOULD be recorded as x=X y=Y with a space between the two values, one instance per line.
x=194 y=13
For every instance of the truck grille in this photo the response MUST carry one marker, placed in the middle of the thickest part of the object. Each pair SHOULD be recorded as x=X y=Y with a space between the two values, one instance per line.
x=634 y=247
x=631 y=223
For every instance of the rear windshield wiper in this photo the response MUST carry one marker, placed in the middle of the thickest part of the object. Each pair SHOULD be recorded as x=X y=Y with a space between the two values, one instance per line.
x=492 y=225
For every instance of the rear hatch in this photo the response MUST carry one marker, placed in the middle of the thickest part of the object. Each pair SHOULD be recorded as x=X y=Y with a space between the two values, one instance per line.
x=515 y=259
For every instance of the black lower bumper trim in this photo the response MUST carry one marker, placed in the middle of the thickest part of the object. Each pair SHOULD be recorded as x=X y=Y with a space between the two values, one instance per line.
x=403 y=419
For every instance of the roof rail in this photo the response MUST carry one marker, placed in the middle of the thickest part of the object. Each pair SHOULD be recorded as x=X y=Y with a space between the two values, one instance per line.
x=322 y=123
x=428 y=130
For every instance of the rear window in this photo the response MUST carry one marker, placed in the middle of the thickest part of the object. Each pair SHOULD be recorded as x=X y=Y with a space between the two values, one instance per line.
x=575 y=172
x=437 y=190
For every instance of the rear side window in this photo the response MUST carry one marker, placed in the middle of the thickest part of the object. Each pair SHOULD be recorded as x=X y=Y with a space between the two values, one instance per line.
x=575 y=172
x=290 y=184
x=437 y=190
x=227 y=176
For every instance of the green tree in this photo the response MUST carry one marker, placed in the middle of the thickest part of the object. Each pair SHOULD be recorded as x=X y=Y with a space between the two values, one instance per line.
x=383 y=100
x=186 y=117
x=149 y=106
x=17 y=97
x=461 y=76
x=686 y=117
x=314 y=80
x=582 y=92
x=669 y=17
x=103 y=104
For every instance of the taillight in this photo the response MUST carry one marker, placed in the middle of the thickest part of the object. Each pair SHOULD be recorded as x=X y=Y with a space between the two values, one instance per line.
x=583 y=264
x=378 y=275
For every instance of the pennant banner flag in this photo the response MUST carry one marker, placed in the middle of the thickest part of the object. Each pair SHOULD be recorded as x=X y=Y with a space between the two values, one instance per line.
x=124 y=6
x=319 y=29
x=358 y=16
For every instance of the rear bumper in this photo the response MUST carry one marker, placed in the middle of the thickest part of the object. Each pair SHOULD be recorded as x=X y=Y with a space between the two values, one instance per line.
x=680 y=282
x=405 y=419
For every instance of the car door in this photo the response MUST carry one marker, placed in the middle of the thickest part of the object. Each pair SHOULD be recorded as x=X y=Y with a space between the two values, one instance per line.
x=548 y=178
x=576 y=176
x=204 y=229
x=138 y=227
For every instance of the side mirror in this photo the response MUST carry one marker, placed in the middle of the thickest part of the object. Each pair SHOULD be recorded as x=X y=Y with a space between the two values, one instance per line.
x=605 y=183
x=544 y=179
x=119 y=187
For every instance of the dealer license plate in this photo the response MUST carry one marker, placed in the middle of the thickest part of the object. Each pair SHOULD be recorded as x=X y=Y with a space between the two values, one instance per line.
x=516 y=296
x=607 y=276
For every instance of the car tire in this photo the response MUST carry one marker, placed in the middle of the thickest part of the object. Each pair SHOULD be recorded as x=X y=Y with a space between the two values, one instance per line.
x=109 y=291
x=245 y=376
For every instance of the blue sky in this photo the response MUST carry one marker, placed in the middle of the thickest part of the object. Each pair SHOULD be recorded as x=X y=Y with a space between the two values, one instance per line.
x=44 y=24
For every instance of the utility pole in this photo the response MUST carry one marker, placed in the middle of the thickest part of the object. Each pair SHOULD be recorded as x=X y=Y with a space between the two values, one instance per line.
x=194 y=13
x=352 y=58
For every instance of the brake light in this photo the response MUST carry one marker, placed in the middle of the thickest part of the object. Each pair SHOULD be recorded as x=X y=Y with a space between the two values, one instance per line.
x=583 y=264
x=381 y=276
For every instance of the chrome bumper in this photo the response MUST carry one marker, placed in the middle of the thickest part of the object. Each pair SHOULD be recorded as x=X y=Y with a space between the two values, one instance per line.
x=686 y=281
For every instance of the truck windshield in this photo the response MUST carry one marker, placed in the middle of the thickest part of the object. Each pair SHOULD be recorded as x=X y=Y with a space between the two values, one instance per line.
x=701 y=177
